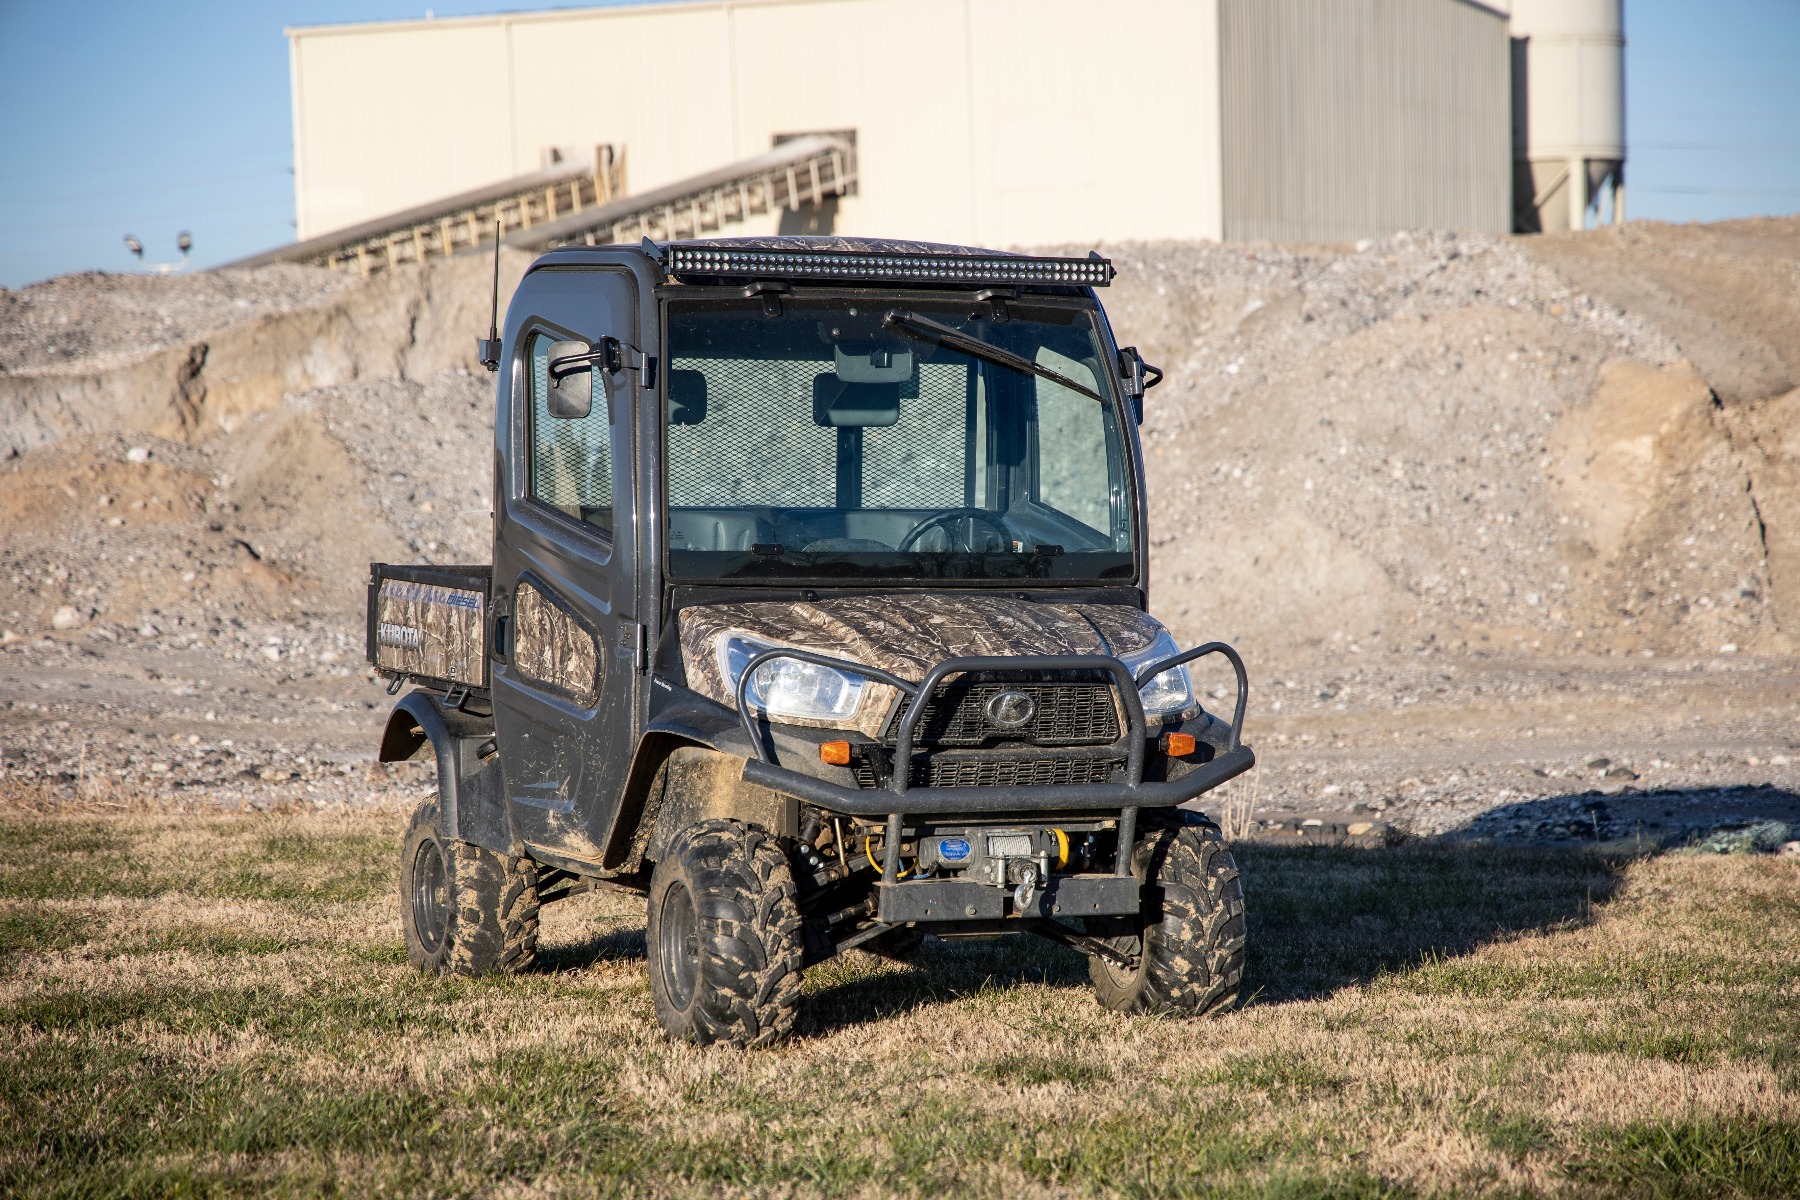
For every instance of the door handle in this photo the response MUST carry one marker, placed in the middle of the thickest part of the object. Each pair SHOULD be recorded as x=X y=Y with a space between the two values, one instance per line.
x=501 y=627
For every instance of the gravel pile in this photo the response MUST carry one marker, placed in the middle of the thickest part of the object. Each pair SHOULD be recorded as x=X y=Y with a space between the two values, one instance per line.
x=94 y=320
x=1362 y=449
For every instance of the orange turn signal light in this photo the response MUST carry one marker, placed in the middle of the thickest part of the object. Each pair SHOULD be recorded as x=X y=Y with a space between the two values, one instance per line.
x=1180 y=745
x=837 y=754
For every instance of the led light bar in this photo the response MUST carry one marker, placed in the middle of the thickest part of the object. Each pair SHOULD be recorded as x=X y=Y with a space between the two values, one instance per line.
x=897 y=268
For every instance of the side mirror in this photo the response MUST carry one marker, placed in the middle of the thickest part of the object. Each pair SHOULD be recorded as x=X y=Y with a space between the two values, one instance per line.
x=571 y=371
x=1137 y=377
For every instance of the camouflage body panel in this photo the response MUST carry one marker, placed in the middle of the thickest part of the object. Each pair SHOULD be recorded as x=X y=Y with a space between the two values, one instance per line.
x=905 y=635
x=552 y=648
x=432 y=632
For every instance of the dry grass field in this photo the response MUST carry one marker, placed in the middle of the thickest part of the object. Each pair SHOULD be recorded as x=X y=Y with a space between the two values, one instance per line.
x=220 y=1005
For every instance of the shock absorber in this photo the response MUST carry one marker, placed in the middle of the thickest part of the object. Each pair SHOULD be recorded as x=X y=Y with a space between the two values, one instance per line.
x=809 y=836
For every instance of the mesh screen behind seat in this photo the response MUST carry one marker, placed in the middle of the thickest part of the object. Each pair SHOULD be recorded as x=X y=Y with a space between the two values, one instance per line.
x=759 y=445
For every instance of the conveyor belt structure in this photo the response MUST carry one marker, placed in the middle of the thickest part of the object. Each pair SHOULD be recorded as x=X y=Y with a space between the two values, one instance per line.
x=584 y=203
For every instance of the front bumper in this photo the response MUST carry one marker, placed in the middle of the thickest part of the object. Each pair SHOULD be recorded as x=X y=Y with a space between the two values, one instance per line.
x=899 y=796
x=1083 y=797
x=967 y=900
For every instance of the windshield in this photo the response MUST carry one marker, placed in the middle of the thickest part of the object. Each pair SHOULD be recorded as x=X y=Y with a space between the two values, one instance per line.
x=836 y=440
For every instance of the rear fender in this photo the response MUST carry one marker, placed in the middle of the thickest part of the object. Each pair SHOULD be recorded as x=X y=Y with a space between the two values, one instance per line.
x=471 y=806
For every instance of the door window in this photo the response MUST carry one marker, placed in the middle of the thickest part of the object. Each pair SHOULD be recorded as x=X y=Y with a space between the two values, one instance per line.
x=1074 y=460
x=571 y=457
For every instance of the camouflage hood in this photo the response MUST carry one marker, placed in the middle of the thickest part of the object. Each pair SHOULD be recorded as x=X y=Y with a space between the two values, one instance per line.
x=908 y=635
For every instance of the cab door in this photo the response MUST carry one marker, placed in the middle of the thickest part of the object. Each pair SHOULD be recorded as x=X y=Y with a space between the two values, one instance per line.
x=567 y=646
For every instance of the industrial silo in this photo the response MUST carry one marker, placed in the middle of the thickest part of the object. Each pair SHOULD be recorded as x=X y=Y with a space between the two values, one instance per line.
x=1568 y=111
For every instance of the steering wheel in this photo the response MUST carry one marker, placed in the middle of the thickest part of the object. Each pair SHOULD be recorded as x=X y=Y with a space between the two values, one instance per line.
x=944 y=519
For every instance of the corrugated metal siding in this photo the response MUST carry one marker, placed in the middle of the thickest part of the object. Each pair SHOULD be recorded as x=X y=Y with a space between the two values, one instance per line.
x=1356 y=118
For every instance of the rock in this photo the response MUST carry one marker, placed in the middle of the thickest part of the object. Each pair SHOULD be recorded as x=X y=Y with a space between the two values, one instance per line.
x=1621 y=772
x=67 y=617
x=1763 y=838
x=138 y=454
x=1599 y=764
x=1358 y=828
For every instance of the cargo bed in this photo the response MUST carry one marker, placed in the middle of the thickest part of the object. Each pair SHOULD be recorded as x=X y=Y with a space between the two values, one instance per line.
x=429 y=625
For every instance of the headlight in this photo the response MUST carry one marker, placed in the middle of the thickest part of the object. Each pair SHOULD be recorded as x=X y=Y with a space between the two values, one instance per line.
x=1170 y=694
x=787 y=687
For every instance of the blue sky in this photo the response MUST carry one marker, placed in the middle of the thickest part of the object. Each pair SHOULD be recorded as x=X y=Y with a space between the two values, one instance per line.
x=153 y=117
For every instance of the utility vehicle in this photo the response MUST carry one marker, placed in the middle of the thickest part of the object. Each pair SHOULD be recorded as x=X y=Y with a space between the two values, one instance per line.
x=817 y=617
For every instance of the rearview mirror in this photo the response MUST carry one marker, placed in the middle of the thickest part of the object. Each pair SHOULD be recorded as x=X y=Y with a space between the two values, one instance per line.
x=570 y=395
x=854 y=405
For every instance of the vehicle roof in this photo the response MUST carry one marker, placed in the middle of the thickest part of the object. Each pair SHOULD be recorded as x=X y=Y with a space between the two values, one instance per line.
x=826 y=260
x=819 y=244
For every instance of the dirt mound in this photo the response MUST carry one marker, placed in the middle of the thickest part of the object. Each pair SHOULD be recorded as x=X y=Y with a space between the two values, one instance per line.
x=1433 y=441
x=235 y=344
x=1429 y=442
x=1728 y=294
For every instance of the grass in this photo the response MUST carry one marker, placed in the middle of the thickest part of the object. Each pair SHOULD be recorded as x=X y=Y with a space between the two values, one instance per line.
x=219 y=1005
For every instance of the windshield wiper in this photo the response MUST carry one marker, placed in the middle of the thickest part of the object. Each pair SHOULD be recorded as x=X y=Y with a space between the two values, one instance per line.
x=926 y=330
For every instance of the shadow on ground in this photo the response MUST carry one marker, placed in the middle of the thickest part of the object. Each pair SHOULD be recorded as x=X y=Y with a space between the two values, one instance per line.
x=1321 y=918
x=1647 y=820
x=613 y=945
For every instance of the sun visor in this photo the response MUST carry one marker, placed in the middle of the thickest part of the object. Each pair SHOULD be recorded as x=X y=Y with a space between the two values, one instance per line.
x=687 y=397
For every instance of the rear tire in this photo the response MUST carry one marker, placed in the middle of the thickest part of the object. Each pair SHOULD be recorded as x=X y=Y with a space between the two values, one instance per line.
x=1189 y=940
x=464 y=910
x=724 y=937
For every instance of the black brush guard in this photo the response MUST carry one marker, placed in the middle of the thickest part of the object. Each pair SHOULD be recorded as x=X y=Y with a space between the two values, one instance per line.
x=898 y=797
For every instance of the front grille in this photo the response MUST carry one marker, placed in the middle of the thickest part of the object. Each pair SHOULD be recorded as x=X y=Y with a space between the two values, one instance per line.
x=1068 y=714
x=1000 y=772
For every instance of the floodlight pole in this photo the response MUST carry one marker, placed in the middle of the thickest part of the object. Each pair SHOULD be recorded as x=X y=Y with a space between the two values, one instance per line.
x=184 y=242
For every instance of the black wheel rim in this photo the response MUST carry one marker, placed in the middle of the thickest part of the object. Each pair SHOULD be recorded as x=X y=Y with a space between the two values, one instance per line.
x=430 y=897
x=1123 y=976
x=1130 y=942
x=678 y=945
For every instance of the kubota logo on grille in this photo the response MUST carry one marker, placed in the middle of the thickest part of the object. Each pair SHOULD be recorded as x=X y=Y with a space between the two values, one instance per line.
x=1009 y=710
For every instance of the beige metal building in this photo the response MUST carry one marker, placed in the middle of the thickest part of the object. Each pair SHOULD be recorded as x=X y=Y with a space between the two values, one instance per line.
x=992 y=122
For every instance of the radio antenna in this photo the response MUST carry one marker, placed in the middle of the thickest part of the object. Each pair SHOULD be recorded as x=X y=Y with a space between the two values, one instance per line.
x=487 y=349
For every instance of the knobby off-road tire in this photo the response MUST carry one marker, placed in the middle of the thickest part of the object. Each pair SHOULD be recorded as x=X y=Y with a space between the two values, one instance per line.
x=465 y=910
x=1191 y=958
x=724 y=938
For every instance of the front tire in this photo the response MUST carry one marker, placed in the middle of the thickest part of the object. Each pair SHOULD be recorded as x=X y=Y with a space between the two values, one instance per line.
x=464 y=910
x=724 y=937
x=1189 y=939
